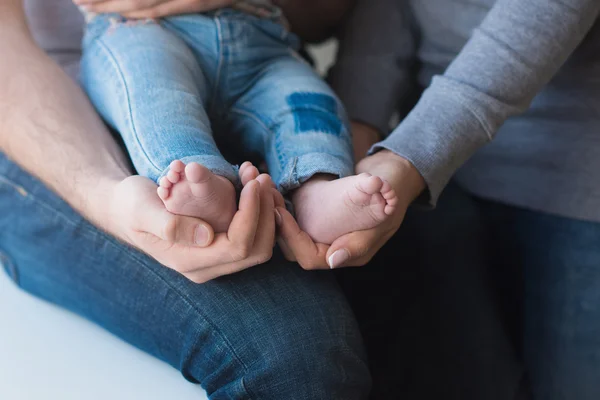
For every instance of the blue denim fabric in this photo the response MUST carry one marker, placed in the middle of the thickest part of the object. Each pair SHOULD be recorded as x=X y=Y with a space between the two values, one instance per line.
x=271 y=332
x=506 y=296
x=177 y=87
x=553 y=298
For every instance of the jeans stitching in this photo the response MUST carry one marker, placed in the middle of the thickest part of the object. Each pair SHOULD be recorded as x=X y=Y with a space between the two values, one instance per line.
x=46 y=207
x=132 y=253
x=221 y=62
x=134 y=256
x=20 y=189
x=248 y=391
x=248 y=114
x=115 y=63
x=268 y=131
x=185 y=34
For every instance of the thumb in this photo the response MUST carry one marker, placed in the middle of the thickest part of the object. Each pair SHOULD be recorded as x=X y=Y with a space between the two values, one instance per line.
x=179 y=229
x=351 y=249
x=298 y=244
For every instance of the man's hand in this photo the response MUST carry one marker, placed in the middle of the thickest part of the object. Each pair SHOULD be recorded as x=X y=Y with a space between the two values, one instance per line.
x=51 y=130
x=141 y=9
x=363 y=137
x=188 y=245
x=355 y=248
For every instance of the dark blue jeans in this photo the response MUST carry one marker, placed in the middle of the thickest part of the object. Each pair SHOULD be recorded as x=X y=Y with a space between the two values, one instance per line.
x=465 y=302
x=271 y=332
x=492 y=302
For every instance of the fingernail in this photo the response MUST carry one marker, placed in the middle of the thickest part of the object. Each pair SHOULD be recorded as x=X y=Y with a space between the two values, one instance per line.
x=201 y=235
x=338 y=258
x=278 y=217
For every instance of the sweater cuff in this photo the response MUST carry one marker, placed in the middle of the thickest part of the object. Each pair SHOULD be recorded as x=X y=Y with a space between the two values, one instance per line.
x=369 y=89
x=439 y=135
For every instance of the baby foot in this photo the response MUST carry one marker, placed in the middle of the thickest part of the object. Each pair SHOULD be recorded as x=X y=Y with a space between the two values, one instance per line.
x=194 y=191
x=248 y=172
x=327 y=209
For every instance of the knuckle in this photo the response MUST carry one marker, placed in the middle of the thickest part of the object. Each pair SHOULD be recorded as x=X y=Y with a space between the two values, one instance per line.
x=240 y=253
x=263 y=257
x=244 y=251
x=307 y=264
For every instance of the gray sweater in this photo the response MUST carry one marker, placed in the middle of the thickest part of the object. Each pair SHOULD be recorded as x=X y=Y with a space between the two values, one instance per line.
x=492 y=69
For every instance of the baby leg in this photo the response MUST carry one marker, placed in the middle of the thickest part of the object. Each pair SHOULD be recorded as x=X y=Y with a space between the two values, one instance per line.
x=146 y=83
x=307 y=145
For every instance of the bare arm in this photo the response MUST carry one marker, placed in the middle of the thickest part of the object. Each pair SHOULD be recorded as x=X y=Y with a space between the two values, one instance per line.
x=47 y=124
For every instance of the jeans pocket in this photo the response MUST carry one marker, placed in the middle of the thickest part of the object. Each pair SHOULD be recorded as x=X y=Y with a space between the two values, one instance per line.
x=9 y=267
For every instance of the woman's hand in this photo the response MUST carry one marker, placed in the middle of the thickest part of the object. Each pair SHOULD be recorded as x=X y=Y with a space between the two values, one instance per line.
x=355 y=248
x=188 y=245
x=142 y=9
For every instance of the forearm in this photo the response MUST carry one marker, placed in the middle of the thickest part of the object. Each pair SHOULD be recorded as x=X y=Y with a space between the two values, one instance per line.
x=48 y=126
x=517 y=49
x=315 y=20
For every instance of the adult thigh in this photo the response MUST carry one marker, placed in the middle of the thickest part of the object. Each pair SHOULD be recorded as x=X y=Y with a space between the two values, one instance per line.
x=271 y=332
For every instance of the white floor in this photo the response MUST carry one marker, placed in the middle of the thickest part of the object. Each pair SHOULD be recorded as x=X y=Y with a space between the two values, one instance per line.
x=47 y=353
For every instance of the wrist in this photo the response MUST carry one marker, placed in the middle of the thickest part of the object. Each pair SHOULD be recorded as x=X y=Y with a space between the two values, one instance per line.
x=98 y=204
x=363 y=137
x=366 y=130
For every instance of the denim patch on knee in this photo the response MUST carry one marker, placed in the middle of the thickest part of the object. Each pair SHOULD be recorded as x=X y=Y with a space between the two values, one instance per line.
x=315 y=112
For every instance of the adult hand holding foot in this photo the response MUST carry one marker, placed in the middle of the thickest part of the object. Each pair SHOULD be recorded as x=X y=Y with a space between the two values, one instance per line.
x=189 y=245
x=47 y=117
x=355 y=248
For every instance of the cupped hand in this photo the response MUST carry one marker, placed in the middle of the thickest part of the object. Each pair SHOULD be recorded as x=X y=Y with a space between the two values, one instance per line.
x=356 y=248
x=141 y=9
x=188 y=245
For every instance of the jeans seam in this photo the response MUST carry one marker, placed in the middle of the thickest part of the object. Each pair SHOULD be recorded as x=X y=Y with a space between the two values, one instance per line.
x=219 y=64
x=113 y=60
x=87 y=226
x=185 y=361
x=48 y=208
x=248 y=391
x=185 y=298
x=20 y=189
x=249 y=114
x=267 y=130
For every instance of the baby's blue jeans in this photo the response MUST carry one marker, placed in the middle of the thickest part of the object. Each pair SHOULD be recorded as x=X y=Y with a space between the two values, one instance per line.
x=176 y=87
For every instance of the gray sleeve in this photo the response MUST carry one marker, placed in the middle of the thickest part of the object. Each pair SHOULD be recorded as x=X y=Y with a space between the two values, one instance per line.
x=371 y=72
x=515 y=51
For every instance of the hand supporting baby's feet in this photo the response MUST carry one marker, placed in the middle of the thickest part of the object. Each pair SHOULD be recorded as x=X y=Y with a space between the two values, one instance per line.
x=327 y=208
x=194 y=191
